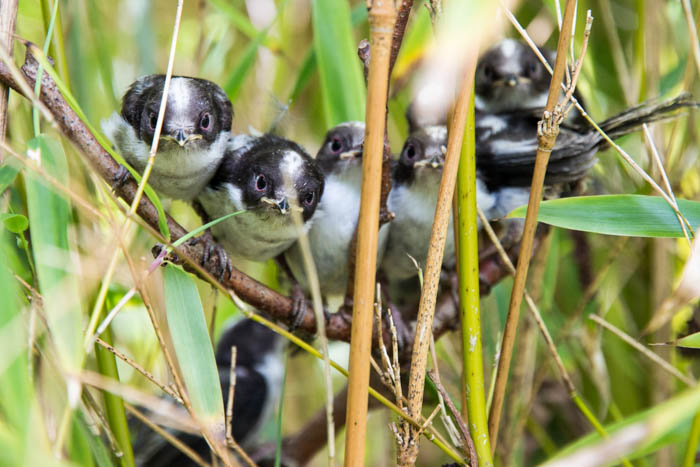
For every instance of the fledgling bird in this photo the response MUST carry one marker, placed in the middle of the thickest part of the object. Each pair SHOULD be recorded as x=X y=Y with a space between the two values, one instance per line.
x=340 y=159
x=259 y=373
x=506 y=147
x=195 y=132
x=268 y=177
x=416 y=180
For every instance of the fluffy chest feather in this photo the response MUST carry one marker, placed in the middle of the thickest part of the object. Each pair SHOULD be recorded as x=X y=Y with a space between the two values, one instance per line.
x=255 y=235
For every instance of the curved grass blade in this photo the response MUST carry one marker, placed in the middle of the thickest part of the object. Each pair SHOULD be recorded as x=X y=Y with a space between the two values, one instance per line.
x=41 y=58
x=626 y=215
x=193 y=348
x=342 y=84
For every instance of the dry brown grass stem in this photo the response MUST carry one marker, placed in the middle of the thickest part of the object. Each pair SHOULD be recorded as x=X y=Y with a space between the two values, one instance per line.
x=148 y=375
x=548 y=129
x=433 y=265
x=461 y=423
x=230 y=442
x=168 y=437
x=692 y=32
x=8 y=16
x=382 y=17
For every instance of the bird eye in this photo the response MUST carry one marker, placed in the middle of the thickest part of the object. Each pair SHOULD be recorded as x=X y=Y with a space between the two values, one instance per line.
x=336 y=145
x=410 y=151
x=488 y=71
x=531 y=68
x=309 y=198
x=205 y=122
x=152 y=120
x=260 y=182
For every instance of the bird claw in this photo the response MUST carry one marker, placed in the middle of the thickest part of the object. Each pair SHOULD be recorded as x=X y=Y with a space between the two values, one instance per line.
x=223 y=267
x=120 y=178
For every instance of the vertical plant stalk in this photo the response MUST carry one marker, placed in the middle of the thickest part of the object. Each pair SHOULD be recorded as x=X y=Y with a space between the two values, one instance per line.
x=546 y=140
x=114 y=404
x=107 y=279
x=382 y=16
x=468 y=267
x=408 y=452
x=8 y=16
x=56 y=48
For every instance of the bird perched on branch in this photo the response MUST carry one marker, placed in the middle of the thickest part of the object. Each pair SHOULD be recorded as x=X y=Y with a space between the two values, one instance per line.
x=416 y=180
x=259 y=373
x=268 y=177
x=340 y=159
x=196 y=129
x=506 y=147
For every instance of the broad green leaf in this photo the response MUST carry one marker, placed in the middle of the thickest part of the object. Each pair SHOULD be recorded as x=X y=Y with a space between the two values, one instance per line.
x=627 y=215
x=15 y=223
x=193 y=348
x=654 y=427
x=691 y=341
x=342 y=84
x=7 y=176
x=49 y=218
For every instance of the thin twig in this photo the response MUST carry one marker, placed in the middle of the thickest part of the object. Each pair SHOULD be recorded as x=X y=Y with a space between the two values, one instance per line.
x=140 y=369
x=182 y=447
x=462 y=424
x=644 y=351
x=229 y=411
x=107 y=279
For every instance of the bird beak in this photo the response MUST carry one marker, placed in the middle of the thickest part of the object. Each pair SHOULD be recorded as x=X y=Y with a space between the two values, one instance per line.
x=511 y=81
x=435 y=162
x=181 y=137
x=351 y=154
x=281 y=204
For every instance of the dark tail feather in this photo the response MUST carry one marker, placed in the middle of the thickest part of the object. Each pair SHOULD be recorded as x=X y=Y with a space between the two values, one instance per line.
x=633 y=118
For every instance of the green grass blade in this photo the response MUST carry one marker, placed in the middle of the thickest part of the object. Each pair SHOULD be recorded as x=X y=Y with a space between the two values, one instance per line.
x=627 y=215
x=235 y=81
x=114 y=405
x=16 y=388
x=652 y=428
x=7 y=176
x=243 y=24
x=193 y=348
x=49 y=218
x=342 y=84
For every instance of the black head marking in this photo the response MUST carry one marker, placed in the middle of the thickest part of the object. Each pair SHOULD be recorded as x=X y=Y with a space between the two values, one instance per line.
x=424 y=147
x=344 y=142
x=198 y=110
x=262 y=171
x=511 y=66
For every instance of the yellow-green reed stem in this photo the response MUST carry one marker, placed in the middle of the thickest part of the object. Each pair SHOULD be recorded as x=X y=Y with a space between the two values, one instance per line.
x=693 y=442
x=468 y=266
x=114 y=405
x=57 y=49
